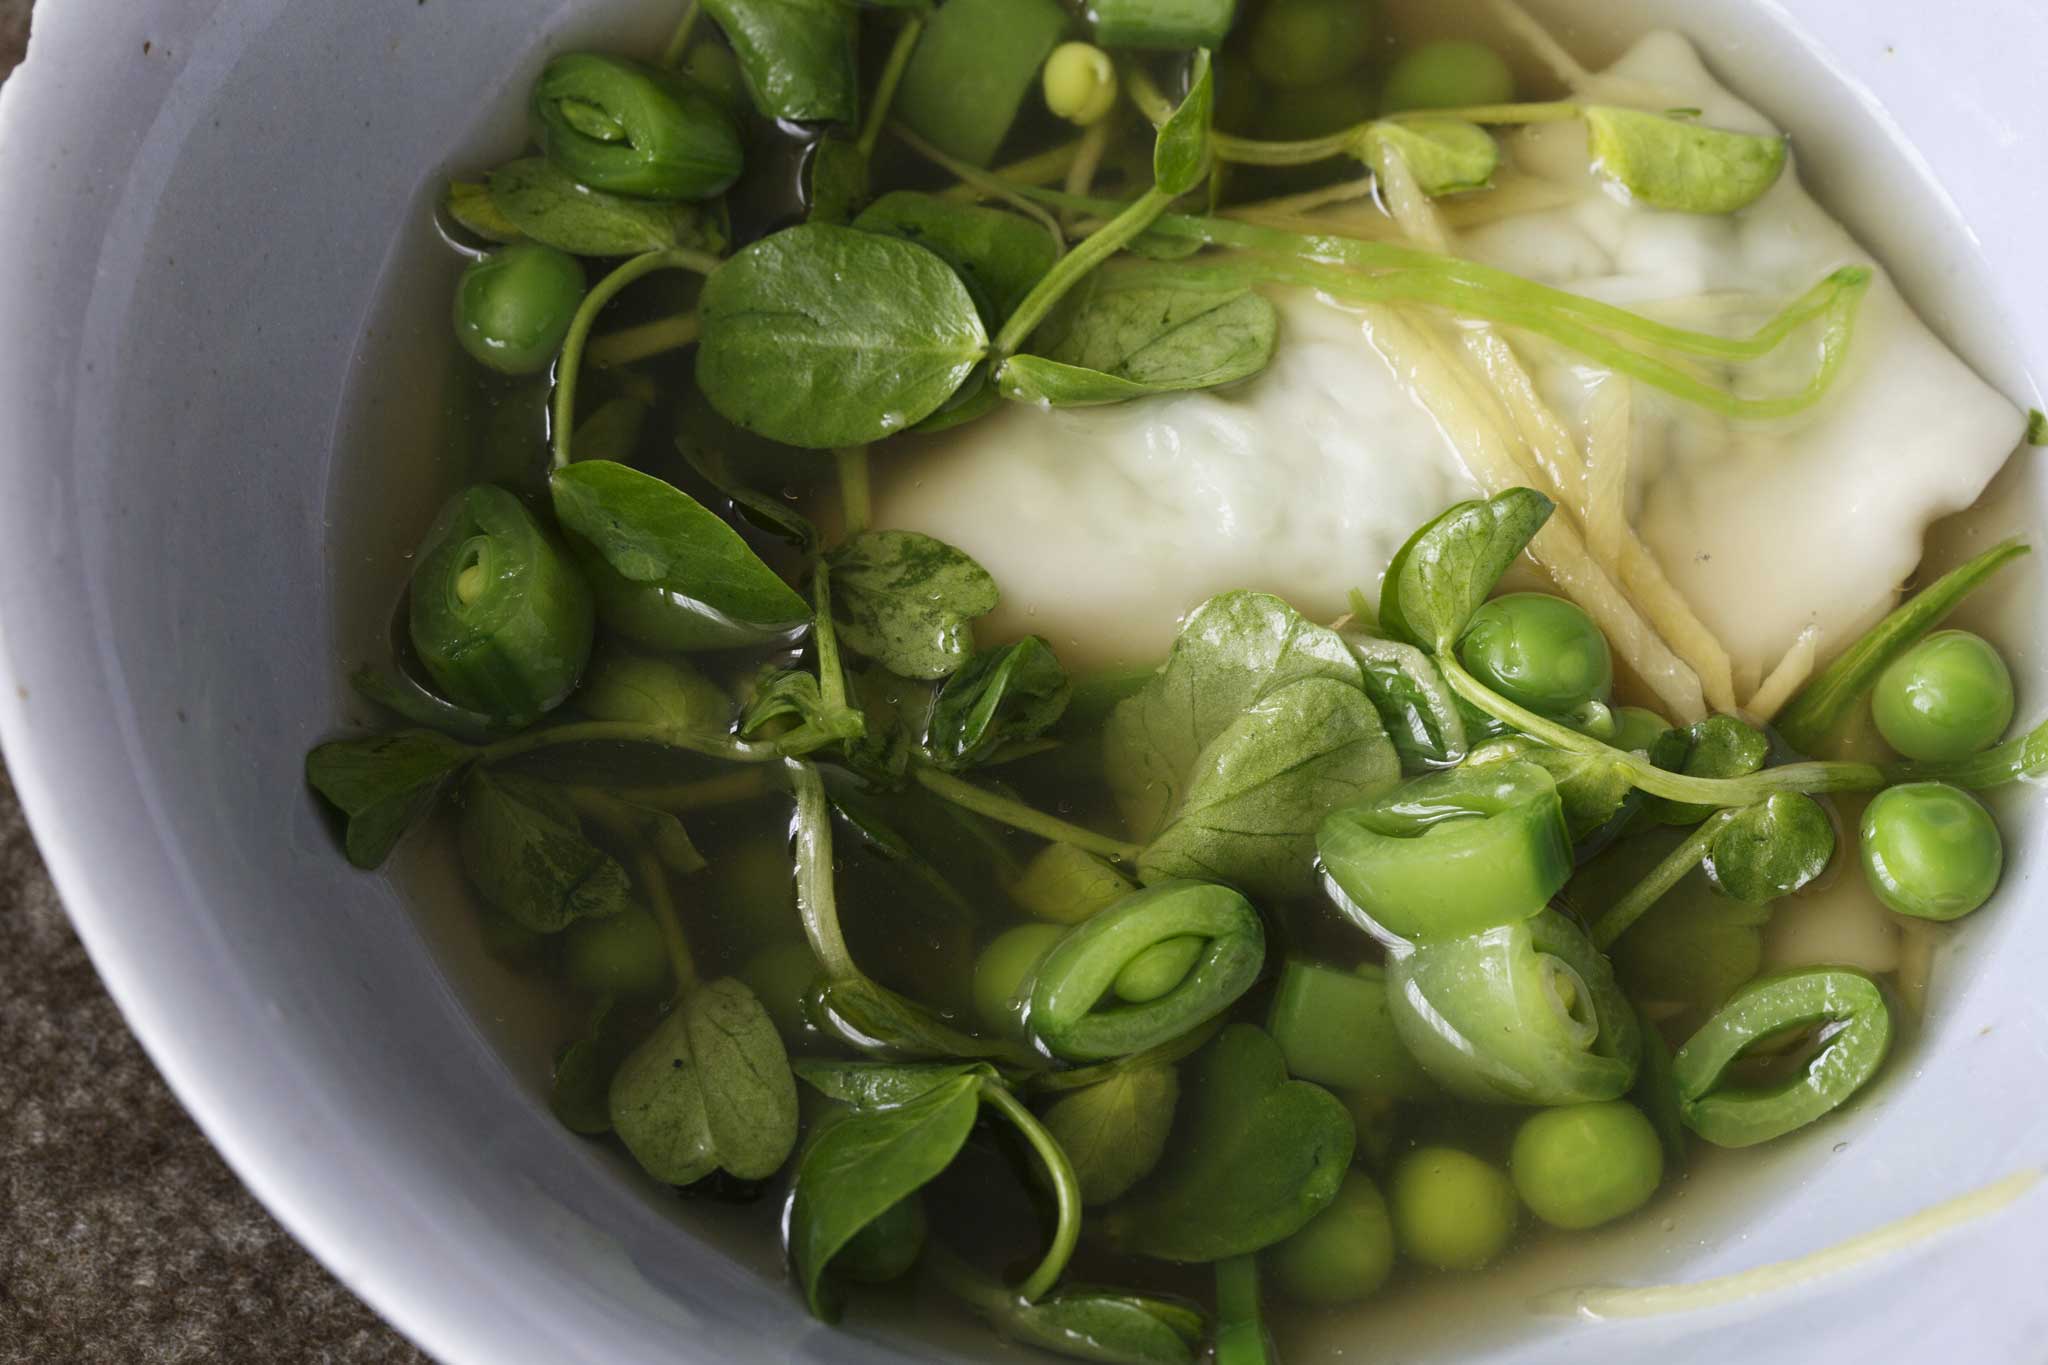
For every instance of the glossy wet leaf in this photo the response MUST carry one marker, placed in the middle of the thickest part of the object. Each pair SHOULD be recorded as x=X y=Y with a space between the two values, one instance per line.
x=1107 y=1325
x=797 y=56
x=876 y=1020
x=469 y=203
x=524 y=848
x=401 y=694
x=710 y=1089
x=1720 y=746
x=1253 y=1157
x=1593 y=789
x=1771 y=849
x=1419 y=710
x=382 y=784
x=652 y=534
x=908 y=601
x=1440 y=577
x=1258 y=793
x=770 y=513
x=1001 y=696
x=1126 y=334
x=1180 y=155
x=1445 y=156
x=1234 y=650
x=1682 y=166
x=883 y=1085
x=545 y=204
x=631 y=825
x=862 y=1166
x=835 y=180
x=1115 y=1132
x=998 y=255
x=822 y=336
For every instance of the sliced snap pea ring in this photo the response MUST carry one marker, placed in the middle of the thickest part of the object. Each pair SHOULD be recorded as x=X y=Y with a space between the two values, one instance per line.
x=1845 y=1002
x=1067 y=1014
x=1525 y=1013
x=1451 y=854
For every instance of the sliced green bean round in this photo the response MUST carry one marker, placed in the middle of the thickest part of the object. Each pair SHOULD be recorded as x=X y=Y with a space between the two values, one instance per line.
x=1450 y=854
x=500 y=619
x=1082 y=969
x=1856 y=1033
x=1527 y=1013
x=625 y=128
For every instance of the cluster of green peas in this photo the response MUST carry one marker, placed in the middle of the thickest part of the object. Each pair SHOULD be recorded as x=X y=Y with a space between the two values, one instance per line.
x=1928 y=849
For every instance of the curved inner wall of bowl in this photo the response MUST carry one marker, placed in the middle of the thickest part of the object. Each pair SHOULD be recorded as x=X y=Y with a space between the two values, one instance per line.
x=206 y=231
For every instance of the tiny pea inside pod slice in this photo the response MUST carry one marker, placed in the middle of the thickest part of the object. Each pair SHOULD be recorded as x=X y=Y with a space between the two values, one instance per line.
x=1525 y=1013
x=1856 y=1032
x=499 y=617
x=1067 y=1014
x=1451 y=854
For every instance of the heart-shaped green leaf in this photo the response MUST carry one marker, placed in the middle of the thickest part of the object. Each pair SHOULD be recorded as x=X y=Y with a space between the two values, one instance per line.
x=1444 y=155
x=1013 y=693
x=908 y=601
x=1254 y=1157
x=382 y=784
x=883 y=1085
x=1771 y=849
x=523 y=845
x=1682 y=166
x=547 y=205
x=1115 y=1132
x=1129 y=333
x=1439 y=578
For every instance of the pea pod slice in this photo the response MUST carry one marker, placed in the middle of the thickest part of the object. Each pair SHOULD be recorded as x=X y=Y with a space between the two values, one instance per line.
x=1450 y=854
x=1525 y=1013
x=1845 y=1002
x=1081 y=970
x=624 y=128
x=501 y=621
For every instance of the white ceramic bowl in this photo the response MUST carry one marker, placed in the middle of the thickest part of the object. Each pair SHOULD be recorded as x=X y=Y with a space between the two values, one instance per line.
x=202 y=200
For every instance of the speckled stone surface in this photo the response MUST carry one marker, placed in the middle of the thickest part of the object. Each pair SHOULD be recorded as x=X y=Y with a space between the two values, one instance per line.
x=123 y=1238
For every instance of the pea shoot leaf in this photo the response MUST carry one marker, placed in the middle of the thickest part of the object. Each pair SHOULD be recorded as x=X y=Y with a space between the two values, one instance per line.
x=1002 y=696
x=470 y=205
x=797 y=56
x=1180 y=156
x=524 y=848
x=1682 y=167
x=875 y=1019
x=625 y=685
x=1108 y=1325
x=882 y=1085
x=382 y=784
x=1254 y=1156
x=1721 y=746
x=1420 y=712
x=547 y=205
x=1114 y=1132
x=710 y=1089
x=1771 y=849
x=861 y=1166
x=1445 y=156
x=645 y=533
x=1440 y=577
x=822 y=336
x=908 y=601
x=1127 y=333
x=998 y=255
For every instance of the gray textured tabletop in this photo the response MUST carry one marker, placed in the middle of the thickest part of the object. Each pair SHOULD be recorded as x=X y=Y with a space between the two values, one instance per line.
x=123 y=1238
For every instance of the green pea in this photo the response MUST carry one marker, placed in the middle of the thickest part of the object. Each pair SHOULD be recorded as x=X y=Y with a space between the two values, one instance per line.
x=629 y=129
x=1004 y=968
x=1452 y=74
x=1066 y=885
x=1343 y=1254
x=1930 y=850
x=1586 y=1164
x=1637 y=729
x=1298 y=43
x=1157 y=970
x=621 y=954
x=888 y=1247
x=1539 y=651
x=1079 y=81
x=1451 y=1210
x=513 y=307
x=509 y=941
x=1945 y=698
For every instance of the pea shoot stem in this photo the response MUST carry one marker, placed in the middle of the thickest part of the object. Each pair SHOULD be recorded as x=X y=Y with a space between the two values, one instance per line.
x=1090 y=252
x=885 y=86
x=1617 y=918
x=1240 y=1333
x=709 y=743
x=1017 y=815
x=654 y=885
x=607 y=289
x=1811 y=777
x=855 y=492
x=645 y=341
x=727 y=789
x=1041 y=168
x=816 y=901
x=1065 y=1184
x=831 y=674
x=987 y=184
